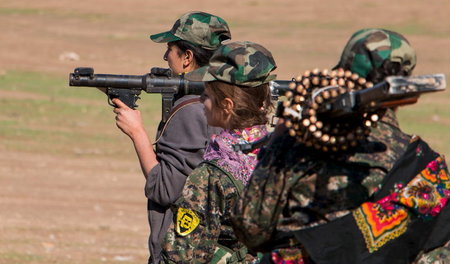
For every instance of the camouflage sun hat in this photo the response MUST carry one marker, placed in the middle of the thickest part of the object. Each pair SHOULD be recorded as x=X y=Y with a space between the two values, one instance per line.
x=240 y=63
x=367 y=49
x=199 y=28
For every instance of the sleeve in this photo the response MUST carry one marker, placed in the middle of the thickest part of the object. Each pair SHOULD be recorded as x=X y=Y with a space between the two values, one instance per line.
x=179 y=151
x=256 y=214
x=193 y=236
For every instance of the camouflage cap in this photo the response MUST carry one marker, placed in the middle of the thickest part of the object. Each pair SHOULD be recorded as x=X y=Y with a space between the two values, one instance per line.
x=199 y=28
x=240 y=63
x=368 y=48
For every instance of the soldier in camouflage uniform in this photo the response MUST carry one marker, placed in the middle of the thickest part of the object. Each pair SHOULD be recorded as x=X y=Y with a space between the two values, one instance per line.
x=236 y=98
x=182 y=139
x=383 y=202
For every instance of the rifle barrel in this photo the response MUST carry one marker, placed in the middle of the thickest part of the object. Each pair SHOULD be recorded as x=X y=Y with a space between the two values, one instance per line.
x=107 y=80
x=152 y=84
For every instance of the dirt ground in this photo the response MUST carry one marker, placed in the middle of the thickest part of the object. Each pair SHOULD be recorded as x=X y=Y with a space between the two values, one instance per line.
x=85 y=207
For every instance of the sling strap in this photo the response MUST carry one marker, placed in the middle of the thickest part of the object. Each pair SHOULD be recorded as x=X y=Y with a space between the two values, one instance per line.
x=174 y=111
x=223 y=252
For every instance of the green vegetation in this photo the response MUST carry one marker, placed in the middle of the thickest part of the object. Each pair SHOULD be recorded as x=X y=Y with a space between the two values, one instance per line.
x=410 y=28
x=17 y=257
x=429 y=119
x=41 y=113
x=20 y=11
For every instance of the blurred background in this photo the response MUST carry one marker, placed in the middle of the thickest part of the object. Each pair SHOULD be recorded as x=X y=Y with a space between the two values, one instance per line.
x=71 y=190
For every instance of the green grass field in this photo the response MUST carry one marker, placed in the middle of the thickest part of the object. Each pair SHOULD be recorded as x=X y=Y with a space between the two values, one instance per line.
x=41 y=113
x=430 y=119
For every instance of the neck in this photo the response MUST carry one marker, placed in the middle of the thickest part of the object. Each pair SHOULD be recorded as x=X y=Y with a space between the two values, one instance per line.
x=190 y=67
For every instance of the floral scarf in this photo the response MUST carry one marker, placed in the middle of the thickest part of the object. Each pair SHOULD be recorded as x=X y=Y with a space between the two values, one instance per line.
x=220 y=150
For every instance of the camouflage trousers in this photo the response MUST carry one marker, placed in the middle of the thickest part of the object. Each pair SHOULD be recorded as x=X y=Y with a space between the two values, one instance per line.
x=224 y=255
x=440 y=255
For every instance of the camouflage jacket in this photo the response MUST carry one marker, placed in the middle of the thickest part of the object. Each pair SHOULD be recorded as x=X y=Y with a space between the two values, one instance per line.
x=202 y=217
x=201 y=231
x=298 y=189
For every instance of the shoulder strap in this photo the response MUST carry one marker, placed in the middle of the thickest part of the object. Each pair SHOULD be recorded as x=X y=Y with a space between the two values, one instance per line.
x=174 y=111
x=239 y=186
x=224 y=252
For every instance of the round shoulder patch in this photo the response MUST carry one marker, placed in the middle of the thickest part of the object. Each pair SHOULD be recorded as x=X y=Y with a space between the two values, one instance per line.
x=187 y=221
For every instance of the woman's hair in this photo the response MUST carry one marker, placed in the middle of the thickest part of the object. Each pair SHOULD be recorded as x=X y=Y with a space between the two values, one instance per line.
x=201 y=55
x=251 y=104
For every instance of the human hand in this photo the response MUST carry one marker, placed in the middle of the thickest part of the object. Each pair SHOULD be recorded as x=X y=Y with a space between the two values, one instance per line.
x=127 y=119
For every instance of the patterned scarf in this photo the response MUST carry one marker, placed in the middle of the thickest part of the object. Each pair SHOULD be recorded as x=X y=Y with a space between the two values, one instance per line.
x=220 y=150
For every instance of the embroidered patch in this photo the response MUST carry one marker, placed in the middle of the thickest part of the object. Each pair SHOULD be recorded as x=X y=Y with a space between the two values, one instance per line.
x=426 y=194
x=288 y=255
x=187 y=221
x=379 y=225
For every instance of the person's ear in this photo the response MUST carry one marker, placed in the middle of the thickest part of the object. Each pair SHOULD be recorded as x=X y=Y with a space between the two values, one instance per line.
x=228 y=105
x=188 y=58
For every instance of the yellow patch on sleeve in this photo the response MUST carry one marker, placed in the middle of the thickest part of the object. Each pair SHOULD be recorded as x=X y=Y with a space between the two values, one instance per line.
x=187 y=221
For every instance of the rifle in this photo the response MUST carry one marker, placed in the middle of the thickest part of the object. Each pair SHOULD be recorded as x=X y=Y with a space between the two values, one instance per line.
x=313 y=105
x=331 y=118
x=394 y=91
x=159 y=80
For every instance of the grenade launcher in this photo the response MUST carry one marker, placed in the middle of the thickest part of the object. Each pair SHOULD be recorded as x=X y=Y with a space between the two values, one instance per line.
x=159 y=80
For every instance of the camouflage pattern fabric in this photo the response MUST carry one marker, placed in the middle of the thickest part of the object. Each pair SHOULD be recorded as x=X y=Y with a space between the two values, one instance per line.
x=241 y=63
x=202 y=223
x=438 y=256
x=293 y=188
x=199 y=28
x=201 y=231
x=288 y=179
x=367 y=49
